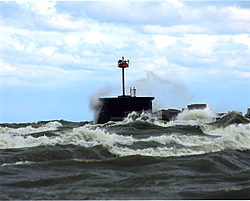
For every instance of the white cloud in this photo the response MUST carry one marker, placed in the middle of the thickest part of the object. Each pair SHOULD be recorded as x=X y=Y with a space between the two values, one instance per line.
x=163 y=41
x=158 y=29
x=97 y=37
x=136 y=12
x=201 y=45
x=203 y=50
x=48 y=51
x=59 y=42
x=176 y=3
x=71 y=40
x=241 y=74
x=64 y=22
x=40 y=76
x=203 y=76
x=44 y=7
x=6 y=69
x=243 y=38
x=238 y=13
x=47 y=17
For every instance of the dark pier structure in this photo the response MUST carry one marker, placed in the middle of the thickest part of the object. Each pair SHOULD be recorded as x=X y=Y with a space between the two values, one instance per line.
x=115 y=109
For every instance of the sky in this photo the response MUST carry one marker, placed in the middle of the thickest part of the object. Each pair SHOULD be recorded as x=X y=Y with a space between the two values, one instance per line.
x=55 y=56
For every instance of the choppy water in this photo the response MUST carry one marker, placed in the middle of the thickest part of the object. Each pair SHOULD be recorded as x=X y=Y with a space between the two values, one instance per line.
x=139 y=158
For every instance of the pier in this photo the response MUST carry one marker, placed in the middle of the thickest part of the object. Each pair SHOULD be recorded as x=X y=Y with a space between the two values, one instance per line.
x=115 y=109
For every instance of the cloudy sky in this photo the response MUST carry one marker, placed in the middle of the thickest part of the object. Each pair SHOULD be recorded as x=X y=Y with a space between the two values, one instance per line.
x=56 y=55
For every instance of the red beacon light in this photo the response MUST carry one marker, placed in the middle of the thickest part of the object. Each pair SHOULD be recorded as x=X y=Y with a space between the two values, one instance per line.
x=123 y=63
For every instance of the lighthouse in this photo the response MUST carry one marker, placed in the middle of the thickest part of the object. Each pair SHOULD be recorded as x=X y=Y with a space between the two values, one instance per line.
x=117 y=108
x=122 y=63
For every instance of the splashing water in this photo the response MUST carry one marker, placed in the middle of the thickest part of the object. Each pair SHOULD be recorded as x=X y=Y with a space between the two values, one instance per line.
x=167 y=93
x=197 y=116
x=95 y=104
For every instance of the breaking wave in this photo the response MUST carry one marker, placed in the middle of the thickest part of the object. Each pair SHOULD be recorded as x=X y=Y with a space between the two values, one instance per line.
x=176 y=138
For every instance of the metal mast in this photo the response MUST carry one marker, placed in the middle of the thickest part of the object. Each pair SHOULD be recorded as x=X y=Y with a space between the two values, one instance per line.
x=123 y=64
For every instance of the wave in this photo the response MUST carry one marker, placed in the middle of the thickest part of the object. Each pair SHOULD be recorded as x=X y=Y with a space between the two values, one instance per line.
x=186 y=117
x=197 y=116
x=120 y=146
x=53 y=125
x=194 y=132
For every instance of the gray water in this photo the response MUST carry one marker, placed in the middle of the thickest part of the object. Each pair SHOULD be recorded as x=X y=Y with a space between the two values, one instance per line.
x=139 y=158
